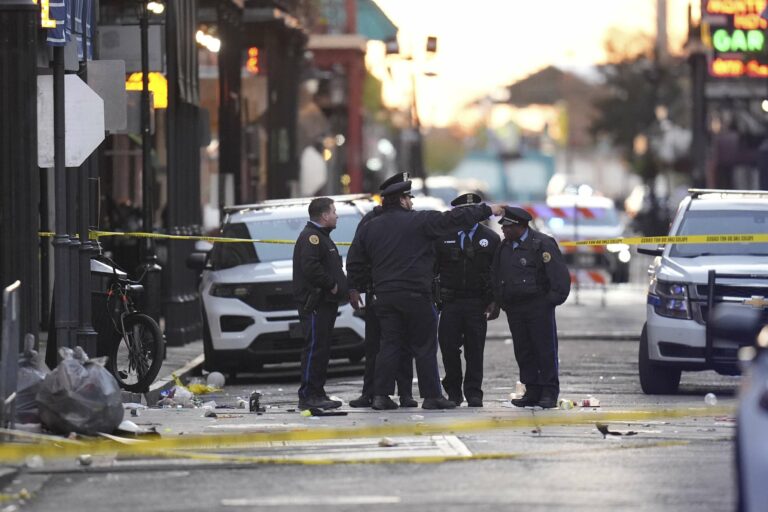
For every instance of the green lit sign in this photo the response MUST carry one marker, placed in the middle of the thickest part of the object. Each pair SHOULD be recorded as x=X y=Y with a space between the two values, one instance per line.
x=727 y=41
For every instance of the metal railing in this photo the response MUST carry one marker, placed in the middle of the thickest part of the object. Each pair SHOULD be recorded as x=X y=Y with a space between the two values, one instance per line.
x=9 y=353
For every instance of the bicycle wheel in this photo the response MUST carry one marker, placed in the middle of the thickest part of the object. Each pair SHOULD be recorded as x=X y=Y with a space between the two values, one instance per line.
x=137 y=356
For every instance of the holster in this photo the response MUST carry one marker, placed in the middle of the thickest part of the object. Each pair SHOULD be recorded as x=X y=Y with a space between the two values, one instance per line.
x=313 y=300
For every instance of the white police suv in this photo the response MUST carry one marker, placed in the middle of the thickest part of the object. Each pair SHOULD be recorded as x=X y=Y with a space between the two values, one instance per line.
x=249 y=314
x=689 y=280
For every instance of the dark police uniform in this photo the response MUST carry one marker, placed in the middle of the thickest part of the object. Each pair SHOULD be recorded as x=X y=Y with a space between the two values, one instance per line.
x=463 y=267
x=317 y=268
x=361 y=281
x=397 y=245
x=530 y=279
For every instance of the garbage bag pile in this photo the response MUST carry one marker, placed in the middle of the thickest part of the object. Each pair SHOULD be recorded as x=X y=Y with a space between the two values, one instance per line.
x=80 y=395
x=30 y=375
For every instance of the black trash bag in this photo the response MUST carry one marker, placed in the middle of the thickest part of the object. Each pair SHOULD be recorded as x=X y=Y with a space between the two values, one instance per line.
x=29 y=377
x=80 y=395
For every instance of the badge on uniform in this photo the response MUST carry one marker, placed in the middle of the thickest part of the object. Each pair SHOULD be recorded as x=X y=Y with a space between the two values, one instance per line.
x=546 y=257
x=483 y=243
x=523 y=261
x=314 y=240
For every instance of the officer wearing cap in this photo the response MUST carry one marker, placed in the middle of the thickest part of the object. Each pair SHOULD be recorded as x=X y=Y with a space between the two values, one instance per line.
x=397 y=246
x=530 y=278
x=319 y=284
x=361 y=281
x=463 y=270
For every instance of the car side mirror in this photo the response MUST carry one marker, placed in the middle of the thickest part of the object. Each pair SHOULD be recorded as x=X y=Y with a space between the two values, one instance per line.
x=197 y=261
x=651 y=252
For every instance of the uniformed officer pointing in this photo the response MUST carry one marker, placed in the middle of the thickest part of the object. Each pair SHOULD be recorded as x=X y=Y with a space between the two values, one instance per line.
x=319 y=284
x=530 y=279
x=463 y=271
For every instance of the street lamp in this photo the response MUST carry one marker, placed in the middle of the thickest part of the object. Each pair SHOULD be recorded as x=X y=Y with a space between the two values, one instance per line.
x=149 y=266
x=416 y=152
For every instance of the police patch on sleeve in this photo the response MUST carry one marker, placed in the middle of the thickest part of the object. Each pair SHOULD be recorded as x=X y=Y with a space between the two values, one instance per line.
x=546 y=257
x=483 y=243
x=314 y=240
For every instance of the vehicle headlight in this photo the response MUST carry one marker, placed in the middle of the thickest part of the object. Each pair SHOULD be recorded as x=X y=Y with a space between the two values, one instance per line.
x=669 y=299
x=232 y=291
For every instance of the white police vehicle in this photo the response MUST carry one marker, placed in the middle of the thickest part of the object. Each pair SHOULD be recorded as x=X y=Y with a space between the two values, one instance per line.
x=249 y=315
x=688 y=281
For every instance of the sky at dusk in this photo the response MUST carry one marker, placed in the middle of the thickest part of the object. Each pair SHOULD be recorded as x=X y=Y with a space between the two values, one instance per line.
x=486 y=44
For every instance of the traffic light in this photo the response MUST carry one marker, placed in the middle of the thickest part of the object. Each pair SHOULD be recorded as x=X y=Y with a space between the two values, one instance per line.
x=253 y=64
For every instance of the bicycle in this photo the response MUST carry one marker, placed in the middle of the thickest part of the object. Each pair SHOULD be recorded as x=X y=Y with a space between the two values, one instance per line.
x=136 y=357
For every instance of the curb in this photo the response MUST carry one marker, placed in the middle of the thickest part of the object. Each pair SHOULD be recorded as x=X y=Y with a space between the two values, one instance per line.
x=153 y=395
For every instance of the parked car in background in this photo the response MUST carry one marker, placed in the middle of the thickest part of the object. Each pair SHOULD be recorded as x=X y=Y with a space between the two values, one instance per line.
x=447 y=188
x=689 y=280
x=572 y=217
x=249 y=314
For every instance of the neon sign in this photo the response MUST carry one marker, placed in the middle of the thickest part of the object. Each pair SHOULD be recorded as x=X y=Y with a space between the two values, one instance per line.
x=737 y=35
x=45 y=14
x=158 y=85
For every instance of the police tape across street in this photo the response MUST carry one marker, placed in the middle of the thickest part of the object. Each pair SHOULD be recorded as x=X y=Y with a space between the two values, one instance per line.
x=57 y=448
x=646 y=240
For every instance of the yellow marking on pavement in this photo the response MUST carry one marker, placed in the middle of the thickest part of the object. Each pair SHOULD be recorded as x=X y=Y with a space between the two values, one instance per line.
x=16 y=452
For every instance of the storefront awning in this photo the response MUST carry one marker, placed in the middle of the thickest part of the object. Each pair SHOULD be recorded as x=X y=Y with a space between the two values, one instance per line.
x=372 y=23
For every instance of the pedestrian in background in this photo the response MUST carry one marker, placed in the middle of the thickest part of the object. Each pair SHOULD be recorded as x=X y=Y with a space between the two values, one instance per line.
x=398 y=247
x=530 y=279
x=362 y=281
x=463 y=273
x=319 y=284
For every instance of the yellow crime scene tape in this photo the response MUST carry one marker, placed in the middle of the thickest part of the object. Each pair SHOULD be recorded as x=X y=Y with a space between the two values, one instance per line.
x=646 y=240
x=64 y=448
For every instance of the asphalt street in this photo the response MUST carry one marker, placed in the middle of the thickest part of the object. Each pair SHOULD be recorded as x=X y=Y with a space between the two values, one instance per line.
x=676 y=464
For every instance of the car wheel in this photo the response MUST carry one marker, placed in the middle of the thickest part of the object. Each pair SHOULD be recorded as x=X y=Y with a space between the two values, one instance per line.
x=655 y=379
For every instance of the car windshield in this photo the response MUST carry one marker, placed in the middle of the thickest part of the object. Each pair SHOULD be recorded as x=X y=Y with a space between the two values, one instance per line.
x=227 y=255
x=586 y=217
x=722 y=222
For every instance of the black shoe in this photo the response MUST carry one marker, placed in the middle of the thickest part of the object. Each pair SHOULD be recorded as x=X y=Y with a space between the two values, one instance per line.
x=408 y=401
x=474 y=402
x=318 y=403
x=548 y=400
x=383 y=403
x=438 y=403
x=362 y=401
x=528 y=400
x=456 y=399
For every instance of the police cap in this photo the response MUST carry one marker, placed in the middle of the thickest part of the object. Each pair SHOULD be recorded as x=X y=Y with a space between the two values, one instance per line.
x=400 y=177
x=467 y=199
x=515 y=215
x=402 y=187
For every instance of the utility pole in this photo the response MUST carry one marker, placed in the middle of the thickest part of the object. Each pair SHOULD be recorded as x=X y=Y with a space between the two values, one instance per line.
x=19 y=175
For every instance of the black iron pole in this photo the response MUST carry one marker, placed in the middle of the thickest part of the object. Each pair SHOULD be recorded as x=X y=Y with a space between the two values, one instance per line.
x=61 y=238
x=149 y=268
x=19 y=175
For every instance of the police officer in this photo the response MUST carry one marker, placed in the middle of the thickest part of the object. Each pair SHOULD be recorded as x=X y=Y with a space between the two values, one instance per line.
x=530 y=279
x=362 y=282
x=397 y=245
x=319 y=284
x=463 y=270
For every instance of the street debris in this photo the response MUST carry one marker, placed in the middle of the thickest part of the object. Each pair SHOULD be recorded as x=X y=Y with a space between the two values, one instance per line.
x=519 y=391
x=30 y=376
x=80 y=395
x=322 y=412
x=417 y=417
x=85 y=460
x=34 y=462
x=253 y=402
x=209 y=413
x=386 y=442
x=590 y=401
x=565 y=404
x=242 y=403
x=710 y=399
x=216 y=380
x=603 y=428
